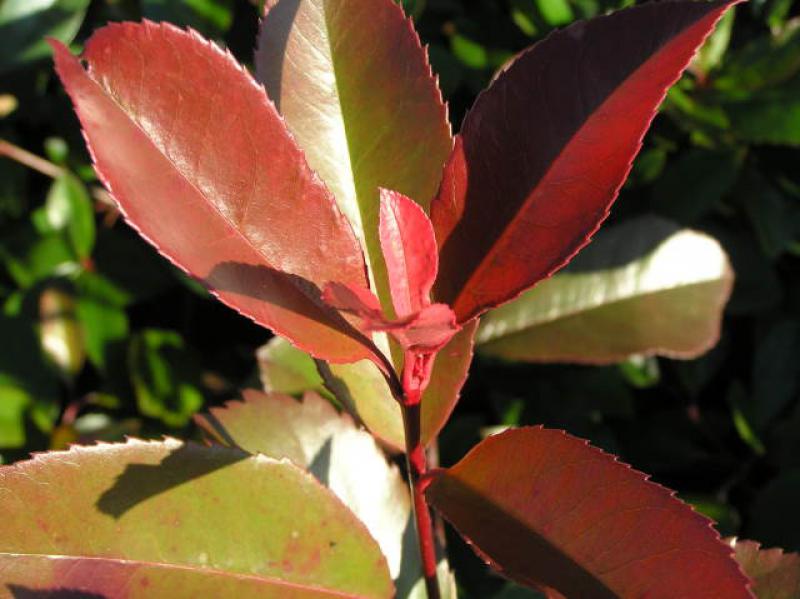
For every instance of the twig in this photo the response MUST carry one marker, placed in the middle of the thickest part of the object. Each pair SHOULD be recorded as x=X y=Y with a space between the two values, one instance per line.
x=32 y=161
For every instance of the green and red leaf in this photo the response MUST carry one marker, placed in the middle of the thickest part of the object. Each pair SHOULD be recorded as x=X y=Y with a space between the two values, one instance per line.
x=242 y=212
x=138 y=518
x=775 y=574
x=355 y=87
x=543 y=152
x=550 y=511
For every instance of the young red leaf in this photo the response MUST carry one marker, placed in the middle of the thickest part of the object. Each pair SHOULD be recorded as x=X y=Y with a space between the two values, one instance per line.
x=427 y=330
x=543 y=152
x=409 y=251
x=203 y=167
x=775 y=574
x=550 y=511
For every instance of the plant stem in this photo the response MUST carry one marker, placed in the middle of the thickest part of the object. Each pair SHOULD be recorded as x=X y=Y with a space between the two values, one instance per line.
x=417 y=469
x=32 y=161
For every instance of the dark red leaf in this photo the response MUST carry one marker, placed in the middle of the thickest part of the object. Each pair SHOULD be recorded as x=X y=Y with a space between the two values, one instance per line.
x=544 y=151
x=548 y=510
x=409 y=250
x=203 y=167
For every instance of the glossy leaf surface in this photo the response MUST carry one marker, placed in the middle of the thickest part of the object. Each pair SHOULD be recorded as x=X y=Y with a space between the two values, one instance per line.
x=548 y=510
x=314 y=436
x=169 y=515
x=643 y=287
x=775 y=574
x=242 y=212
x=543 y=152
x=354 y=85
x=362 y=388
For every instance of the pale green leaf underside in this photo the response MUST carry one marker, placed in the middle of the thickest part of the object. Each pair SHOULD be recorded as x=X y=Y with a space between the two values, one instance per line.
x=644 y=287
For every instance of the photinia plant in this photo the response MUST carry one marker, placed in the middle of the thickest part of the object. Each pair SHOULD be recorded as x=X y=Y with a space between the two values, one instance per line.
x=330 y=203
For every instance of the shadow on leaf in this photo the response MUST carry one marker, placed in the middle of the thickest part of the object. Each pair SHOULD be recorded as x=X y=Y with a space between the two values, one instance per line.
x=140 y=482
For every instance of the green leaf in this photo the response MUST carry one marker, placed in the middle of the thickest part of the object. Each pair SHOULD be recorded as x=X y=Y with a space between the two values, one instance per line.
x=469 y=52
x=643 y=287
x=180 y=520
x=69 y=208
x=285 y=369
x=347 y=460
x=210 y=17
x=25 y=23
x=556 y=13
x=100 y=310
x=710 y=54
x=770 y=117
x=363 y=390
x=165 y=376
x=14 y=402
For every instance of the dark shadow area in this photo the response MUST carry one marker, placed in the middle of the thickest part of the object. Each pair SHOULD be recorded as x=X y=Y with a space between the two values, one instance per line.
x=320 y=465
x=271 y=48
x=140 y=482
x=505 y=539
x=287 y=291
x=410 y=563
x=214 y=429
x=22 y=592
x=622 y=244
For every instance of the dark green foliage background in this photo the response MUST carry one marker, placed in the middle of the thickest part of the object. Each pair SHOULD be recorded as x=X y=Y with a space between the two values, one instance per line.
x=722 y=157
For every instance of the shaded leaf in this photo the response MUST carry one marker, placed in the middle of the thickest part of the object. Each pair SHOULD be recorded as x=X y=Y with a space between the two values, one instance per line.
x=257 y=225
x=285 y=369
x=363 y=124
x=171 y=514
x=775 y=574
x=548 y=510
x=25 y=23
x=347 y=460
x=362 y=388
x=544 y=150
x=643 y=287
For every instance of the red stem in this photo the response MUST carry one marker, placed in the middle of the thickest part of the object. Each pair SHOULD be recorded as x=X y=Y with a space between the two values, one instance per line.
x=418 y=469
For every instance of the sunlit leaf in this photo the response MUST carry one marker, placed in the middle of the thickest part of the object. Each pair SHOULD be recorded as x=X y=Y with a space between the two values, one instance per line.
x=69 y=208
x=775 y=574
x=178 y=520
x=543 y=152
x=59 y=331
x=550 y=511
x=363 y=124
x=257 y=225
x=285 y=369
x=643 y=287
x=347 y=460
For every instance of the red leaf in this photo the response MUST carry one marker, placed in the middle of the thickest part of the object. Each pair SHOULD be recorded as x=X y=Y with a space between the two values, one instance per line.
x=548 y=510
x=203 y=167
x=409 y=250
x=544 y=151
x=427 y=330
